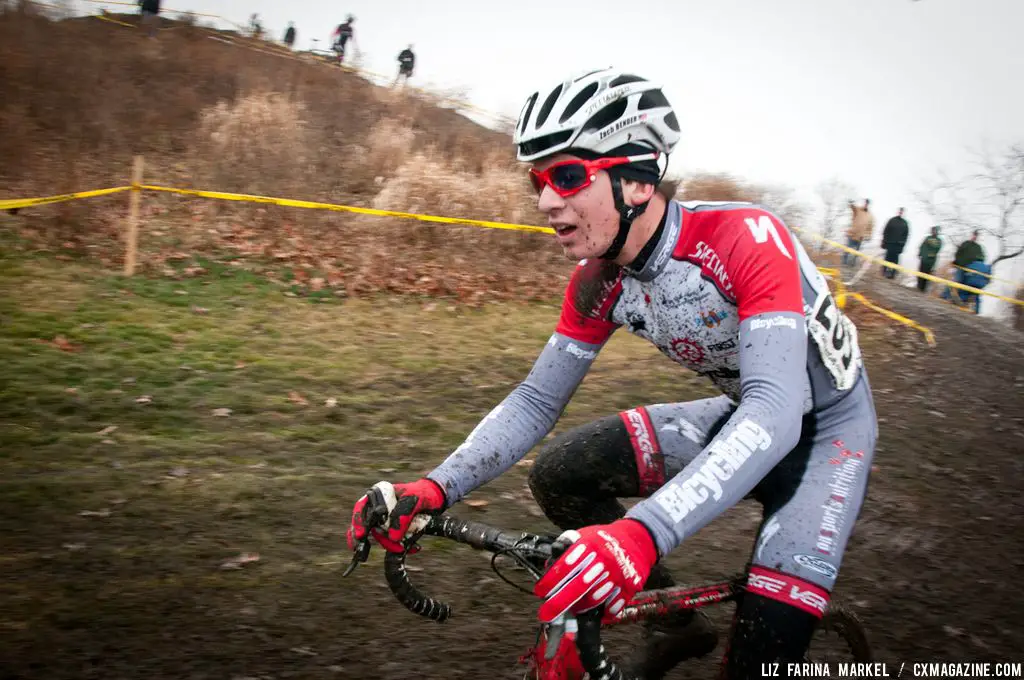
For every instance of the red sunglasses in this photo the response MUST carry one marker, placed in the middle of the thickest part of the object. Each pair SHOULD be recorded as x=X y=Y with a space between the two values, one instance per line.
x=570 y=176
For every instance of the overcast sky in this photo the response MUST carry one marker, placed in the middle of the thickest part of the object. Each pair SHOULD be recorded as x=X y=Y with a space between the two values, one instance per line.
x=878 y=92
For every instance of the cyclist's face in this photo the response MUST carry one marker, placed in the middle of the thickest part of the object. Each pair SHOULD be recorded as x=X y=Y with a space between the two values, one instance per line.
x=585 y=222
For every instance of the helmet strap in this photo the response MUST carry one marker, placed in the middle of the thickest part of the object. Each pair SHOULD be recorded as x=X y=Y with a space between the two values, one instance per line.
x=627 y=213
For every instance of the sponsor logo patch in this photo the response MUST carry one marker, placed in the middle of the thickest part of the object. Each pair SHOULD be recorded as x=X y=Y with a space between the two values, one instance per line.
x=726 y=456
x=816 y=564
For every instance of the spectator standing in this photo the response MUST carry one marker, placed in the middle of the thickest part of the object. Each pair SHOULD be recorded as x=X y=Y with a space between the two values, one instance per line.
x=150 y=13
x=289 y=35
x=894 y=240
x=255 y=27
x=929 y=253
x=342 y=34
x=969 y=251
x=862 y=225
x=406 y=64
x=969 y=255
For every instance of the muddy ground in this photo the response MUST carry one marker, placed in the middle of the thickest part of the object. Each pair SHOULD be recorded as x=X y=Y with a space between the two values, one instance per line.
x=139 y=592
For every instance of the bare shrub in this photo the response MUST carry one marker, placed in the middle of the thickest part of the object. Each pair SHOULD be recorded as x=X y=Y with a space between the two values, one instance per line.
x=257 y=143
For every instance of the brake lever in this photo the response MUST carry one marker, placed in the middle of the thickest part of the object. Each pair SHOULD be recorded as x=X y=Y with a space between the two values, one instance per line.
x=374 y=514
x=359 y=555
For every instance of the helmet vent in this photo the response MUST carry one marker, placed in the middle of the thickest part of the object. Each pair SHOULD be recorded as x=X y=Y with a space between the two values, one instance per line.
x=577 y=102
x=607 y=115
x=652 y=99
x=542 y=144
x=549 y=103
x=529 y=109
x=626 y=79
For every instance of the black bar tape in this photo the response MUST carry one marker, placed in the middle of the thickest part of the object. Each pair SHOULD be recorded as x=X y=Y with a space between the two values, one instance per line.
x=410 y=596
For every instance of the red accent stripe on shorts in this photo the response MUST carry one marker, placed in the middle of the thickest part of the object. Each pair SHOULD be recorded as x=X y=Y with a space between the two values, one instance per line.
x=650 y=463
x=789 y=589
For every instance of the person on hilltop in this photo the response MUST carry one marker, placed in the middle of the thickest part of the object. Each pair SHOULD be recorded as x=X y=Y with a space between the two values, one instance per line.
x=723 y=289
x=894 y=240
x=862 y=226
x=342 y=34
x=406 y=64
x=149 y=11
x=928 y=254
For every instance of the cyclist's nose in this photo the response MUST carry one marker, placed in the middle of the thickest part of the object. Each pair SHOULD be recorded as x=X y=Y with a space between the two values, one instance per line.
x=548 y=200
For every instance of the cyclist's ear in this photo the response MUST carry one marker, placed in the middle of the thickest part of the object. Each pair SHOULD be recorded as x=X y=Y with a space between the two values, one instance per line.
x=635 y=192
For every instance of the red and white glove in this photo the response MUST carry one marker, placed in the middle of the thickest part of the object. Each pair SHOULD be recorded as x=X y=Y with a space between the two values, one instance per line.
x=403 y=501
x=607 y=563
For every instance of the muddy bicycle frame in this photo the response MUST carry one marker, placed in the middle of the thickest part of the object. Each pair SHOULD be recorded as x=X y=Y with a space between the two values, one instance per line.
x=570 y=646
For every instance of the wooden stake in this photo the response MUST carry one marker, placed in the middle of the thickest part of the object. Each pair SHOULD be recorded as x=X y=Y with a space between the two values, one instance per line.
x=134 y=202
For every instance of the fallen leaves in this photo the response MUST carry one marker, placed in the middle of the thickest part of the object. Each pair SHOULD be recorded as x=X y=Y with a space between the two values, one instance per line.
x=222 y=412
x=62 y=343
x=297 y=398
x=239 y=561
x=144 y=399
x=95 y=513
x=107 y=430
x=477 y=504
x=331 y=402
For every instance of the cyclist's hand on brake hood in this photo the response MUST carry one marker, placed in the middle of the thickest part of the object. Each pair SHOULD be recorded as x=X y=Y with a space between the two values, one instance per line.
x=403 y=502
x=606 y=564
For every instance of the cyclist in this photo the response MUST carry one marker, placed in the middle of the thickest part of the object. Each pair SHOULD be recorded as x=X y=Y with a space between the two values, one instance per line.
x=342 y=34
x=723 y=289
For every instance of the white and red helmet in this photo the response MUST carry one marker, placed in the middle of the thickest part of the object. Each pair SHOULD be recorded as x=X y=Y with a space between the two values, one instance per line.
x=598 y=111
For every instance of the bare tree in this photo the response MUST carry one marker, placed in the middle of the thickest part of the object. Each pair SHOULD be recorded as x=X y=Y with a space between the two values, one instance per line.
x=990 y=200
x=835 y=195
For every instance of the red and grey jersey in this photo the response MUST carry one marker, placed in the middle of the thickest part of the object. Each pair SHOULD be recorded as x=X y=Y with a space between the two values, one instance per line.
x=726 y=292
x=716 y=266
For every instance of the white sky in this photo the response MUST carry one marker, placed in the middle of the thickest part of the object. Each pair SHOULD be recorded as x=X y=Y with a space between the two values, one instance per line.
x=878 y=92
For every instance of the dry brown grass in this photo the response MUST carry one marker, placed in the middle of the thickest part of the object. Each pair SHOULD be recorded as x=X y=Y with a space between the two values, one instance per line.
x=82 y=96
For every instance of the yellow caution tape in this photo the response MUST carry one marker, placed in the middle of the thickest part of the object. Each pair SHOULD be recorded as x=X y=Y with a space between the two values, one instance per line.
x=104 y=17
x=928 y=335
x=913 y=272
x=988 y=276
x=835 y=276
x=314 y=205
x=9 y=203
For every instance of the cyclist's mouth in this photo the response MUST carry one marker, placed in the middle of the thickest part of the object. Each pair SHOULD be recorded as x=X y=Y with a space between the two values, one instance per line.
x=563 y=230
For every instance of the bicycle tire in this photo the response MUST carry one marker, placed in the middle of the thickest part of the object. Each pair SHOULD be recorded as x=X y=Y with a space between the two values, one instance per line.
x=839 y=622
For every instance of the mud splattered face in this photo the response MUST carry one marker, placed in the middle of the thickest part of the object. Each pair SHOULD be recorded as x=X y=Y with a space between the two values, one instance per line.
x=585 y=223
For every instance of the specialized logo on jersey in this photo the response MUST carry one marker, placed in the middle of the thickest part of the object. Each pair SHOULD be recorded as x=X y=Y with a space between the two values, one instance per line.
x=763 y=228
x=711 y=263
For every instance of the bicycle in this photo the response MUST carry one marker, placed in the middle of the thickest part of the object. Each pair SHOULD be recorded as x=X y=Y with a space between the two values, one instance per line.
x=570 y=648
